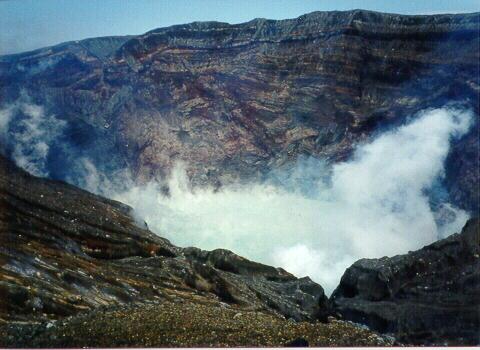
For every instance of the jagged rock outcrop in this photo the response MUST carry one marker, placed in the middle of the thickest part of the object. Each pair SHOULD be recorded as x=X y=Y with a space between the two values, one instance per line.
x=235 y=101
x=430 y=296
x=64 y=250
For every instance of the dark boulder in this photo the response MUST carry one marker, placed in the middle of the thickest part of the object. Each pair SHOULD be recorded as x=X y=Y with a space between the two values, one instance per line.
x=430 y=296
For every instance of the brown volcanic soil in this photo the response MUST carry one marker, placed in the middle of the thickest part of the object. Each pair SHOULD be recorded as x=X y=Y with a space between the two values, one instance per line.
x=186 y=324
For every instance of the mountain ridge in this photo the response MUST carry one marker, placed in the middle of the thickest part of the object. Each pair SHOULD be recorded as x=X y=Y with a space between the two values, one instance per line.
x=352 y=13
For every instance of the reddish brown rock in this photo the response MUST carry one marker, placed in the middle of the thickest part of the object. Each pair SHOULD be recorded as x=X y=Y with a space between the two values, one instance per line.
x=235 y=101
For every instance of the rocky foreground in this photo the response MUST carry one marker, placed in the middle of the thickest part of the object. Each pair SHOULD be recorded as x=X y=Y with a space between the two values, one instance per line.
x=187 y=323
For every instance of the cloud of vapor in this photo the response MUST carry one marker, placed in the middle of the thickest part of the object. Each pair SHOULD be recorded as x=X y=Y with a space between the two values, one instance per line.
x=315 y=219
x=86 y=175
x=5 y=117
x=30 y=136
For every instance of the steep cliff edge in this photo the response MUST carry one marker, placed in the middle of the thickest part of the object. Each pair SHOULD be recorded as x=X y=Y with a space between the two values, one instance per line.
x=236 y=101
x=430 y=296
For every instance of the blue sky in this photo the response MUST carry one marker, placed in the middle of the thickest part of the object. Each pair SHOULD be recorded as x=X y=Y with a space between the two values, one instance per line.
x=30 y=24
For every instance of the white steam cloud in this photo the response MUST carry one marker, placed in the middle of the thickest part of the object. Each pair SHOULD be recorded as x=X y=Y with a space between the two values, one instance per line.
x=86 y=175
x=320 y=220
x=312 y=219
x=31 y=136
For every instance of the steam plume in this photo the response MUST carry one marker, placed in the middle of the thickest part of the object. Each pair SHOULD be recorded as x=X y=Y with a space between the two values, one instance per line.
x=315 y=220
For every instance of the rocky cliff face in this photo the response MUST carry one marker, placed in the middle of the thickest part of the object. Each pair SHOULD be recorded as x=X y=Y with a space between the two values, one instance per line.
x=235 y=101
x=430 y=296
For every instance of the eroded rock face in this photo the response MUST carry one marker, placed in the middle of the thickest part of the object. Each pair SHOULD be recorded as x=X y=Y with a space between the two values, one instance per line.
x=236 y=101
x=430 y=296
x=64 y=250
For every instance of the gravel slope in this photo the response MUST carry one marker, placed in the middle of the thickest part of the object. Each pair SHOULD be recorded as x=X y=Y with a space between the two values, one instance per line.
x=184 y=324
